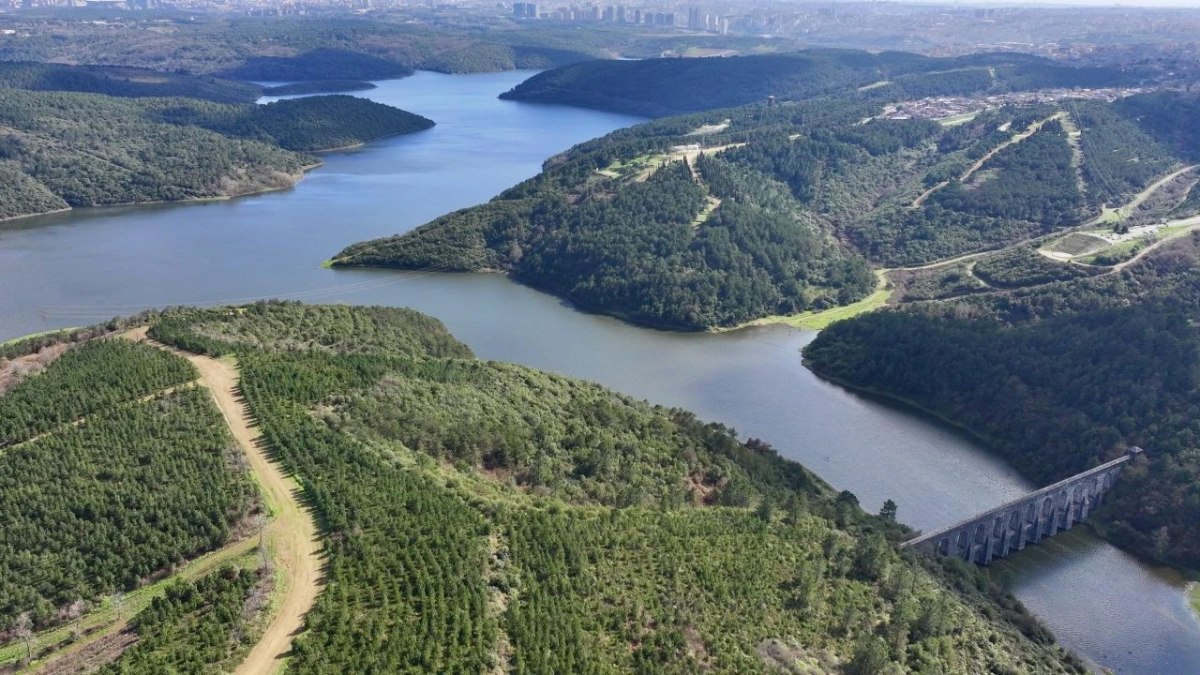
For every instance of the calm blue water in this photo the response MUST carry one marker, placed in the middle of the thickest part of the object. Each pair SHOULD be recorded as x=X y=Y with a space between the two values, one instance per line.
x=81 y=267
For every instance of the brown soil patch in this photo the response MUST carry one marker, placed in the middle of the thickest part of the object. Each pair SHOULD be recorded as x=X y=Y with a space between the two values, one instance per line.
x=92 y=656
x=12 y=371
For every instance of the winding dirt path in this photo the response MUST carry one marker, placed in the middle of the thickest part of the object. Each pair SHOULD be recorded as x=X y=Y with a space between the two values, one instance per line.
x=292 y=533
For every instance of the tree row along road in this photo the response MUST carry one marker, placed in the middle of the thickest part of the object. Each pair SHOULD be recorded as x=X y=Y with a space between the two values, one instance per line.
x=292 y=533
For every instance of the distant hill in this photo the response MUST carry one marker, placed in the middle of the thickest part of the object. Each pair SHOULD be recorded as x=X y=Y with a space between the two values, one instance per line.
x=122 y=81
x=62 y=150
x=663 y=87
x=318 y=64
x=304 y=124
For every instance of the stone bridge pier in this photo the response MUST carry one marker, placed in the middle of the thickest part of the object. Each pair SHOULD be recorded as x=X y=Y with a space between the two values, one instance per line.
x=1011 y=526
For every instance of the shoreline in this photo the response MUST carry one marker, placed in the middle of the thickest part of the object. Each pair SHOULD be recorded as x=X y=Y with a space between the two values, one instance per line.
x=296 y=180
x=917 y=407
x=39 y=334
x=820 y=319
x=1191 y=590
x=362 y=144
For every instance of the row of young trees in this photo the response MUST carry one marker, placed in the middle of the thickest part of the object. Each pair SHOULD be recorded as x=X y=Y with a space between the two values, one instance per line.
x=87 y=379
x=404 y=586
x=272 y=324
x=196 y=627
x=105 y=505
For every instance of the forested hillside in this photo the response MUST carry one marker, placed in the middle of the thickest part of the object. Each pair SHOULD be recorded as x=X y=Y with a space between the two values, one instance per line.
x=718 y=218
x=1060 y=378
x=63 y=150
x=302 y=124
x=663 y=87
x=113 y=470
x=481 y=516
x=118 y=81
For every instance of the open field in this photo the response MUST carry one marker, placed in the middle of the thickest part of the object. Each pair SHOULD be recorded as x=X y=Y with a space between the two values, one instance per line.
x=819 y=320
x=1073 y=245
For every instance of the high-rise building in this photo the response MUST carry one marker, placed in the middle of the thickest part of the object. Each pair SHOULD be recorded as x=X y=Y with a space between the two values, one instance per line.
x=524 y=10
x=695 y=18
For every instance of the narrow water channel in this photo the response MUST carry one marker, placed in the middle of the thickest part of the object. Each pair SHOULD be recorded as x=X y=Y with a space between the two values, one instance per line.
x=82 y=267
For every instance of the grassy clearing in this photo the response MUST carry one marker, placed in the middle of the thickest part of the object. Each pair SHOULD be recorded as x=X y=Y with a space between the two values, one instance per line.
x=1118 y=252
x=821 y=319
x=1077 y=244
x=956 y=120
x=104 y=620
x=621 y=168
x=1194 y=591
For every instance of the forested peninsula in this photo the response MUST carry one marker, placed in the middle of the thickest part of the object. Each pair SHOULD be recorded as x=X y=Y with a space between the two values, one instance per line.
x=61 y=150
x=474 y=515
x=715 y=219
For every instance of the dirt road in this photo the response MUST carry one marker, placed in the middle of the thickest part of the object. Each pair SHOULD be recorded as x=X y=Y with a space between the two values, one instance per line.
x=292 y=532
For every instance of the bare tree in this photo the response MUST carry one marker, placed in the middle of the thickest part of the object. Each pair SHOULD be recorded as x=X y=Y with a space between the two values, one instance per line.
x=118 y=603
x=23 y=630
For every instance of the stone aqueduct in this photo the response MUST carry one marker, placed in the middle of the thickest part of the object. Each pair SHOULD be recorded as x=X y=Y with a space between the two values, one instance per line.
x=1040 y=514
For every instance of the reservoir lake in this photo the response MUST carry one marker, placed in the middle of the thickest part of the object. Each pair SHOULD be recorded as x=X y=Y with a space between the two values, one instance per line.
x=85 y=266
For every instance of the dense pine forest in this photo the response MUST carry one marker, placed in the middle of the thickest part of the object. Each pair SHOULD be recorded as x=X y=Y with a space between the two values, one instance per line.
x=114 y=471
x=302 y=124
x=481 y=515
x=1059 y=378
